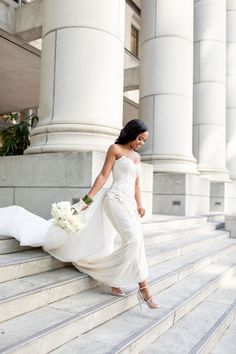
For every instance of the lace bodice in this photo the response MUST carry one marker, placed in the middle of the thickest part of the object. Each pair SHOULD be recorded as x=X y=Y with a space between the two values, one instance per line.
x=124 y=174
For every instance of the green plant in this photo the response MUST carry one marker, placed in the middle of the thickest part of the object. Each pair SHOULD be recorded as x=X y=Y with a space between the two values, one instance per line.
x=15 y=138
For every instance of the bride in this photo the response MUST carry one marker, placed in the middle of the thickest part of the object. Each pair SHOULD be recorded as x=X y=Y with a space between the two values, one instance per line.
x=117 y=209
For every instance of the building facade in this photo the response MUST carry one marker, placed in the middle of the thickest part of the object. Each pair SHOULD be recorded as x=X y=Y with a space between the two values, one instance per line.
x=171 y=63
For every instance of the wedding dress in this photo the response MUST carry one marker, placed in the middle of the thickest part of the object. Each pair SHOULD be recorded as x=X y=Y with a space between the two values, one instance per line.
x=92 y=250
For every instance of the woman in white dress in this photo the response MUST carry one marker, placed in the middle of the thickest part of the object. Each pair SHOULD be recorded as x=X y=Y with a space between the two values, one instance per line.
x=119 y=208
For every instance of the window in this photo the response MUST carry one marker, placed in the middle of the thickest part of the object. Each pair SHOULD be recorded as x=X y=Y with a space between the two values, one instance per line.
x=134 y=41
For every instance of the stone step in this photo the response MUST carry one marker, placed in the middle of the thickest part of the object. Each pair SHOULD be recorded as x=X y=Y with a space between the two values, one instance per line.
x=167 y=222
x=218 y=217
x=26 y=294
x=20 y=264
x=218 y=329
x=29 y=293
x=200 y=329
x=189 y=263
x=133 y=330
x=183 y=240
x=227 y=344
x=45 y=329
x=10 y=245
x=169 y=250
x=176 y=233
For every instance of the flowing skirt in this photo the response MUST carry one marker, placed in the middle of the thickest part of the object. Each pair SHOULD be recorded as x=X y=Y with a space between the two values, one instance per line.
x=92 y=250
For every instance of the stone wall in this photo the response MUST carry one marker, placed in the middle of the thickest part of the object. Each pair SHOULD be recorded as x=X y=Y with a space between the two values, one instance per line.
x=36 y=181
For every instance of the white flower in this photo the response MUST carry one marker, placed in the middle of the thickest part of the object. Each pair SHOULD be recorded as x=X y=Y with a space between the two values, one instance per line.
x=63 y=216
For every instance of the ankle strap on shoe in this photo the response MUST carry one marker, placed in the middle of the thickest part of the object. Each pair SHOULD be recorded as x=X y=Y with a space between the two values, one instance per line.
x=144 y=287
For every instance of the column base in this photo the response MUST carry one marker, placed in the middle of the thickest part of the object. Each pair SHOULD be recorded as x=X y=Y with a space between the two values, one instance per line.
x=71 y=137
x=180 y=194
x=230 y=224
x=47 y=178
x=217 y=196
x=172 y=163
x=215 y=175
x=230 y=191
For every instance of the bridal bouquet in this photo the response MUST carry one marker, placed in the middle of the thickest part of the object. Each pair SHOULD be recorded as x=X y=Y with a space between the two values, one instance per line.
x=68 y=217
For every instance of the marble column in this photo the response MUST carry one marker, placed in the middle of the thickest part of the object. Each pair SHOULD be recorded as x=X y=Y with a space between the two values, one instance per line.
x=231 y=105
x=166 y=84
x=81 y=94
x=7 y=19
x=209 y=115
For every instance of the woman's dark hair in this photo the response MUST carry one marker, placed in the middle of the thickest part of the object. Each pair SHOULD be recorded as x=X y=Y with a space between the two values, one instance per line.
x=130 y=131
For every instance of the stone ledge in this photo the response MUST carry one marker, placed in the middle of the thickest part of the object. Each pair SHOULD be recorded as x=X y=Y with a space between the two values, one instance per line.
x=36 y=181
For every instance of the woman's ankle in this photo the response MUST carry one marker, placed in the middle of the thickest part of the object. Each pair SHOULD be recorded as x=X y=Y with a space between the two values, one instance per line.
x=115 y=289
x=143 y=284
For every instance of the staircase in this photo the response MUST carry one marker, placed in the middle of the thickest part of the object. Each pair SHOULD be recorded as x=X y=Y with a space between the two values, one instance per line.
x=48 y=306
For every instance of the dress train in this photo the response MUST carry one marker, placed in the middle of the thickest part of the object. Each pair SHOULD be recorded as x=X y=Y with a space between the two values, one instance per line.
x=92 y=250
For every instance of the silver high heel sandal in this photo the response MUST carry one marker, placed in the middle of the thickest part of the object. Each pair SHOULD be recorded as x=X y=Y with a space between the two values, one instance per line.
x=142 y=300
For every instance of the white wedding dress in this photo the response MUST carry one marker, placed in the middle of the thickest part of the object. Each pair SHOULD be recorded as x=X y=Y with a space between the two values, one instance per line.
x=92 y=250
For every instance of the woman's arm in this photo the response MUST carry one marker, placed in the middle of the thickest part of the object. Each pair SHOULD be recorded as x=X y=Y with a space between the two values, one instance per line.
x=137 y=196
x=105 y=172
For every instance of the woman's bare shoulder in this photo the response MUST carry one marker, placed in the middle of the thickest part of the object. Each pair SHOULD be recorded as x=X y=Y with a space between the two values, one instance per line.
x=114 y=148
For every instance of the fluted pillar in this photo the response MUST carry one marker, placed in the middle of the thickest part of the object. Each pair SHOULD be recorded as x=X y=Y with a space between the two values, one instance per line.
x=81 y=94
x=231 y=104
x=166 y=79
x=209 y=128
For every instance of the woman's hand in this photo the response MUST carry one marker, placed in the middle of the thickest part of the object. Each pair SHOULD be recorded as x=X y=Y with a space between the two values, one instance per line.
x=85 y=207
x=141 y=211
x=80 y=206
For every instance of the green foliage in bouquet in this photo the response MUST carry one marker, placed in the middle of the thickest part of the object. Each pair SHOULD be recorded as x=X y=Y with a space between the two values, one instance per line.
x=15 y=137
